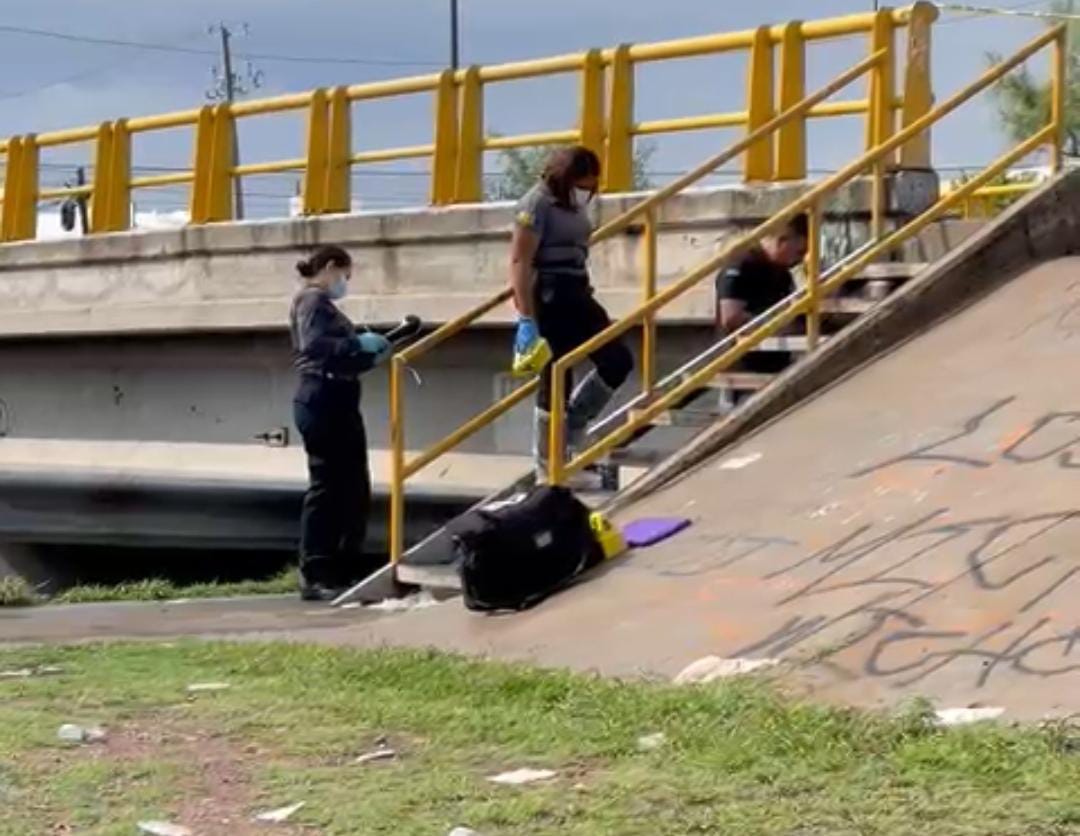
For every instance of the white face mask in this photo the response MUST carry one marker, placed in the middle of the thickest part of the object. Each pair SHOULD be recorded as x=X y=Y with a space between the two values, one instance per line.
x=338 y=288
x=582 y=198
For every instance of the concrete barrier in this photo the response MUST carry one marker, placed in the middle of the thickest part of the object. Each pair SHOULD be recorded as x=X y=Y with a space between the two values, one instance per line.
x=432 y=262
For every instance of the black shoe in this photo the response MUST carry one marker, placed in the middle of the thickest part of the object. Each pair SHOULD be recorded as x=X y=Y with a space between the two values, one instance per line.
x=319 y=592
x=323 y=589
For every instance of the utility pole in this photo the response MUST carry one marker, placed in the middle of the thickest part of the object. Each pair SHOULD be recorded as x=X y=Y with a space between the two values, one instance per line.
x=84 y=220
x=227 y=87
x=455 y=36
x=230 y=97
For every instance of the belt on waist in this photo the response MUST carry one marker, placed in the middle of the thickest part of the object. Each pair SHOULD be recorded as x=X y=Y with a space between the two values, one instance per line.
x=344 y=377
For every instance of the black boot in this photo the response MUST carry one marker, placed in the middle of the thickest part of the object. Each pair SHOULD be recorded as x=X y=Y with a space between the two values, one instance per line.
x=313 y=587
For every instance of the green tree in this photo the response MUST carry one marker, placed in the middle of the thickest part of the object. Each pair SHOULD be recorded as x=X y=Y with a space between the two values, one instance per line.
x=519 y=169
x=1024 y=100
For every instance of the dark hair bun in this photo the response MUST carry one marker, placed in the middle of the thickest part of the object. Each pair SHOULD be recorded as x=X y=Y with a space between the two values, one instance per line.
x=328 y=254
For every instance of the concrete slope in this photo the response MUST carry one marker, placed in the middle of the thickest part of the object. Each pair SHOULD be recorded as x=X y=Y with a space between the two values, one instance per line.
x=913 y=530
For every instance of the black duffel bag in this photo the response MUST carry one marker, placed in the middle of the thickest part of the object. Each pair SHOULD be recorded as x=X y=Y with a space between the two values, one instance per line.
x=516 y=553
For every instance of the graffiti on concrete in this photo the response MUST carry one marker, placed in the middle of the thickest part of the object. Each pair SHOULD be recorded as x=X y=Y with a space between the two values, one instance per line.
x=975 y=568
x=1052 y=436
x=941 y=590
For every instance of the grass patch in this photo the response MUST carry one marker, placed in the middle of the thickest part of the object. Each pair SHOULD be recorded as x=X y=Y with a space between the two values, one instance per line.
x=14 y=592
x=159 y=589
x=738 y=758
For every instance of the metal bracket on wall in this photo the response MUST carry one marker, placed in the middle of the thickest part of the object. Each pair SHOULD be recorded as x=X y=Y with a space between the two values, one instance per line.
x=276 y=437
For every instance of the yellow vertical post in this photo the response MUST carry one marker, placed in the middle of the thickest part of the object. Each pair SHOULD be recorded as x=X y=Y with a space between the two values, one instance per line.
x=318 y=148
x=101 y=198
x=220 y=202
x=397 y=460
x=918 y=90
x=557 y=430
x=29 y=189
x=468 y=185
x=591 y=119
x=880 y=118
x=338 y=192
x=759 y=106
x=19 y=220
x=445 y=133
x=119 y=175
x=199 y=197
x=813 y=275
x=791 y=138
x=26 y=217
x=619 y=150
x=9 y=215
x=1058 y=82
x=648 y=290
x=877 y=201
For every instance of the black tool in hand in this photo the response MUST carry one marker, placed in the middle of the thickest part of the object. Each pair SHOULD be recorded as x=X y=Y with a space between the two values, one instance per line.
x=408 y=328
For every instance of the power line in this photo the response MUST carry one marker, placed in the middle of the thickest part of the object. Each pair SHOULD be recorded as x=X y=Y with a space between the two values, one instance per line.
x=18 y=94
x=4 y=96
x=165 y=47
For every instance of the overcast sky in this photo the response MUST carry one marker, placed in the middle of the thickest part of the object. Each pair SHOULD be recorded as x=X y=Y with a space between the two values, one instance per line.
x=54 y=83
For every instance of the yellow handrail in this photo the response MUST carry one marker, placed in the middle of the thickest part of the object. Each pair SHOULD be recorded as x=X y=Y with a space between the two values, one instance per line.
x=606 y=123
x=402 y=469
x=1052 y=134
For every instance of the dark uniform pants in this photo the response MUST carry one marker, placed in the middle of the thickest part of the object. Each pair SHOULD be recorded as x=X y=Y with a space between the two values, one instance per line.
x=567 y=314
x=333 y=522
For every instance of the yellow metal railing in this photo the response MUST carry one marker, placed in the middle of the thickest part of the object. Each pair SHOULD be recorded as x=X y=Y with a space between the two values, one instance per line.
x=644 y=212
x=989 y=200
x=806 y=301
x=607 y=123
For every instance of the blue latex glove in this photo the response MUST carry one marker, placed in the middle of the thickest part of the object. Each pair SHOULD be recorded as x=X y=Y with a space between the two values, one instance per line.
x=526 y=334
x=376 y=344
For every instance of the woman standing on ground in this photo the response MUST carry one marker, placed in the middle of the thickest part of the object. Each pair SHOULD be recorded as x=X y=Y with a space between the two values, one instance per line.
x=330 y=356
x=553 y=295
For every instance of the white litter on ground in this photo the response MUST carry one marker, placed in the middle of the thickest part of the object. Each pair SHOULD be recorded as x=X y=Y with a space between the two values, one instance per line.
x=739 y=462
x=711 y=668
x=963 y=716
x=651 y=742
x=523 y=776
x=163 y=828
x=417 y=601
x=383 y=753
x=207 y=687
x=72 y=733
x=26 y=673
x=463 y=831
x=281 y=814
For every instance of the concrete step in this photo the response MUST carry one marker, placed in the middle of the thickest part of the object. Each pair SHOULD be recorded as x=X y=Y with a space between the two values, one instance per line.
x=690 y=417
x=792 y=343
x=846 y=306
x=741 y=381
x=430 y=575
x=899 y=271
